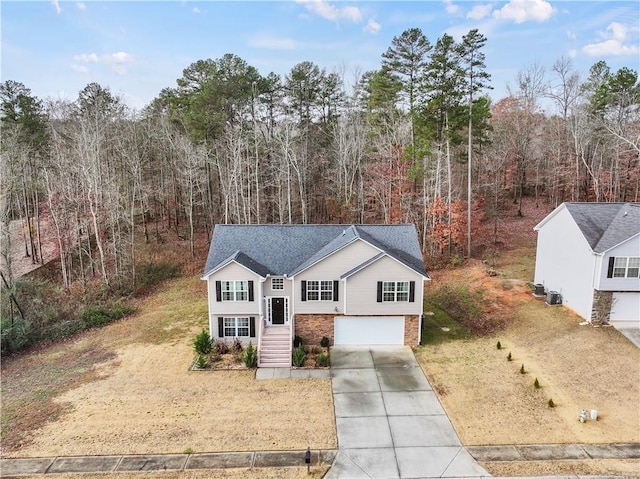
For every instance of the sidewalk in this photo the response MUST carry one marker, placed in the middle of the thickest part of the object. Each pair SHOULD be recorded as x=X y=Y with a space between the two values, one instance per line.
x=257 y=459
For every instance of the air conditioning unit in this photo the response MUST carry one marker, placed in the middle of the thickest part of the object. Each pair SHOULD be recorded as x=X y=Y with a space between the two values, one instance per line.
x=553 y=298
x=538 y=290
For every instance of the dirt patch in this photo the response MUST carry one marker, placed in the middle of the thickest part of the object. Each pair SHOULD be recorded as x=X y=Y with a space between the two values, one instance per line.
x=144 y=399
x=580 y=367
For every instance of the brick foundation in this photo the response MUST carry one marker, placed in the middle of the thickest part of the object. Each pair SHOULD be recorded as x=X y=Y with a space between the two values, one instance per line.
x=601 y=307
x=312 y=327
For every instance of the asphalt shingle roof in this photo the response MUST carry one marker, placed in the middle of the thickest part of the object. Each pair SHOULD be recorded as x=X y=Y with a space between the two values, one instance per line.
x=605 y=225
x=288 y=249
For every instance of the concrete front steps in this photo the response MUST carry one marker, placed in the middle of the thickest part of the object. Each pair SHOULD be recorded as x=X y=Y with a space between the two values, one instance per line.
x=275 y=351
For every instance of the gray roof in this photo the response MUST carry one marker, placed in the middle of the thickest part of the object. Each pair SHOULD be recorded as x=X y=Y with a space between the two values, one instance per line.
x=289 y=249
x=605 y=225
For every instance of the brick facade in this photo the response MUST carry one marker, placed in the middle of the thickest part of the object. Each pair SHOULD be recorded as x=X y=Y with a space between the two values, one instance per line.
x=601 y=307
x=312 y=327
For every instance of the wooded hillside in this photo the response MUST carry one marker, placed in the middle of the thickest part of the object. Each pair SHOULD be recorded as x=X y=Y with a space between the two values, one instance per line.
x=410 y=142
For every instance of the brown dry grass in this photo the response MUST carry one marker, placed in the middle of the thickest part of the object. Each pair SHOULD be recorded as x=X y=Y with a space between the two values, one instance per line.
x=139 y=397
x=580 y=367
x=239 y=473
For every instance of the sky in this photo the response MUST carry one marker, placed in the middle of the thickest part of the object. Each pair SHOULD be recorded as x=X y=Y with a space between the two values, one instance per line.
x=137 y=48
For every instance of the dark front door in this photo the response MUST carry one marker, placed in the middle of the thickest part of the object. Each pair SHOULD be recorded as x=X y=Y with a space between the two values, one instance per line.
x=277 y=310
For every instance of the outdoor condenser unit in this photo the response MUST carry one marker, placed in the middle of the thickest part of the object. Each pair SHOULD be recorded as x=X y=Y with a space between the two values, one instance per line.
x=538 y=289
x=553 y=298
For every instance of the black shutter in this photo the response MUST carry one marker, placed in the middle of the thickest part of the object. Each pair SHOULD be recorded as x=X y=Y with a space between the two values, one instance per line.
x=250 y=290
x=412 y=291
x=221 y=327
x=252 y=327
x=304 y=290
x=218 y=291
x=336 y=288
x=379 y=291
x=610 y=270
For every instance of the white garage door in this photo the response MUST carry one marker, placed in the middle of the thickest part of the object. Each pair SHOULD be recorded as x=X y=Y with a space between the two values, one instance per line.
x=361 y=330
x=625 y=307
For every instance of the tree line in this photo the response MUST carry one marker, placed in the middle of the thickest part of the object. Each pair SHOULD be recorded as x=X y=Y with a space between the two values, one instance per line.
x=417 y=141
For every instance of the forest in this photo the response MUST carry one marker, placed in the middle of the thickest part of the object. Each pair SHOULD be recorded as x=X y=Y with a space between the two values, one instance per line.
x=417 y=141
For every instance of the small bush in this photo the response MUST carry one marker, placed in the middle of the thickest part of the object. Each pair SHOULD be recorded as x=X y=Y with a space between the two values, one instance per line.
x=297 y=342
x=324 y=342
x=550 y=403
x=299 y=357
x=16 y=335
x=499 y=346
x=316 y=350
x=201 y=361
x=221 y=346
x=150 y=274
x=522 y=371
x=509 y=358
x=202 y=343
x=236 y=346
x=322 y=360
x=214 y=357
x=536 y=384
x=250 y=356
x=98 y=315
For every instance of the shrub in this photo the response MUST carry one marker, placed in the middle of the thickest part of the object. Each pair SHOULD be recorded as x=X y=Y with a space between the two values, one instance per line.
x=316 y=350
x=522 y=371
x=236 y=346
x=221 y=346
x=536 y=384
x=15 y=335
x=299 y=357
x=150 y=274
x=499 y=346
x=202 y=343
x=251 y=356
x=324 y=342
x=201 y=361
x=551 y=403
x=297 y=342
x=509 y=358
x=93 y=316
x=322 y=360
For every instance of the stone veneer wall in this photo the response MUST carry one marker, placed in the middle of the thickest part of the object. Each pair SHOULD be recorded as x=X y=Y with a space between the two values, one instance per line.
x=312 y=327
x=601 y=307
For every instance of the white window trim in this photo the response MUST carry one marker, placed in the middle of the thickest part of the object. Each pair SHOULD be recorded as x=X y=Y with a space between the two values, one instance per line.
x=621 y=264
x=233 y=291
x=320 y=290
x=235 y=320
x=395 y=291
x=280 y=285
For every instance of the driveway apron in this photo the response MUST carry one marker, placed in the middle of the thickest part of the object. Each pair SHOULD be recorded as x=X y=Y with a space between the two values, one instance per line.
x=389 y=421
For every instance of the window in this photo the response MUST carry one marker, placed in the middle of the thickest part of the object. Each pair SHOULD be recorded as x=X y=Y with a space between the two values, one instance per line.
x=624 y=267
x=319 y=290
x=395 y=291
x=236 y=327
x=234 y=290
x=277 y=284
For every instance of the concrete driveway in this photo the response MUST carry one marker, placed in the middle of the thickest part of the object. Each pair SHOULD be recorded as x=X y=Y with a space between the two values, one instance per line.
x=629 y=329
x=389 y=421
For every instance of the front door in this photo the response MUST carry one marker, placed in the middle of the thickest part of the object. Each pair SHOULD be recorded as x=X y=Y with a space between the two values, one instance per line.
x=277 y=310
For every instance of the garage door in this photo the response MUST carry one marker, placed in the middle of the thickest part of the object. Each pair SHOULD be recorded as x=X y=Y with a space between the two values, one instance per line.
x=625 y=307
x=361 y=330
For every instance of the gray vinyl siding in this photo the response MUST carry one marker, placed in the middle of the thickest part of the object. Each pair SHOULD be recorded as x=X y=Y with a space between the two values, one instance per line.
x=361 y=295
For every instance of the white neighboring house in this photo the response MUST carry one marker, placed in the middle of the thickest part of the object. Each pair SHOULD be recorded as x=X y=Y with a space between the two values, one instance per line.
x=589 y=253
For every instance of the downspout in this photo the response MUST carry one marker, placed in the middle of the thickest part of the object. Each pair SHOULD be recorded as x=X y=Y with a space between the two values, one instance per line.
x=260 y=316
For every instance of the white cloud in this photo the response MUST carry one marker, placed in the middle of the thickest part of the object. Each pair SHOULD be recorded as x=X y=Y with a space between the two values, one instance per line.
x=521 y=11
x=270 y=42
x=613 y=43
x=86 y=58
x=372 y=27
x=480 y=11
x=451 y=8
x=610 y=48
x=56 y=4
x=195 y=10
x=79 y=68
x=81 y=6
x=331 y=12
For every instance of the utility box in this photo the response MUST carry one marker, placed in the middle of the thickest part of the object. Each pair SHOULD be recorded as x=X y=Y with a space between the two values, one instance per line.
x=538 y=289
x=553 y=298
